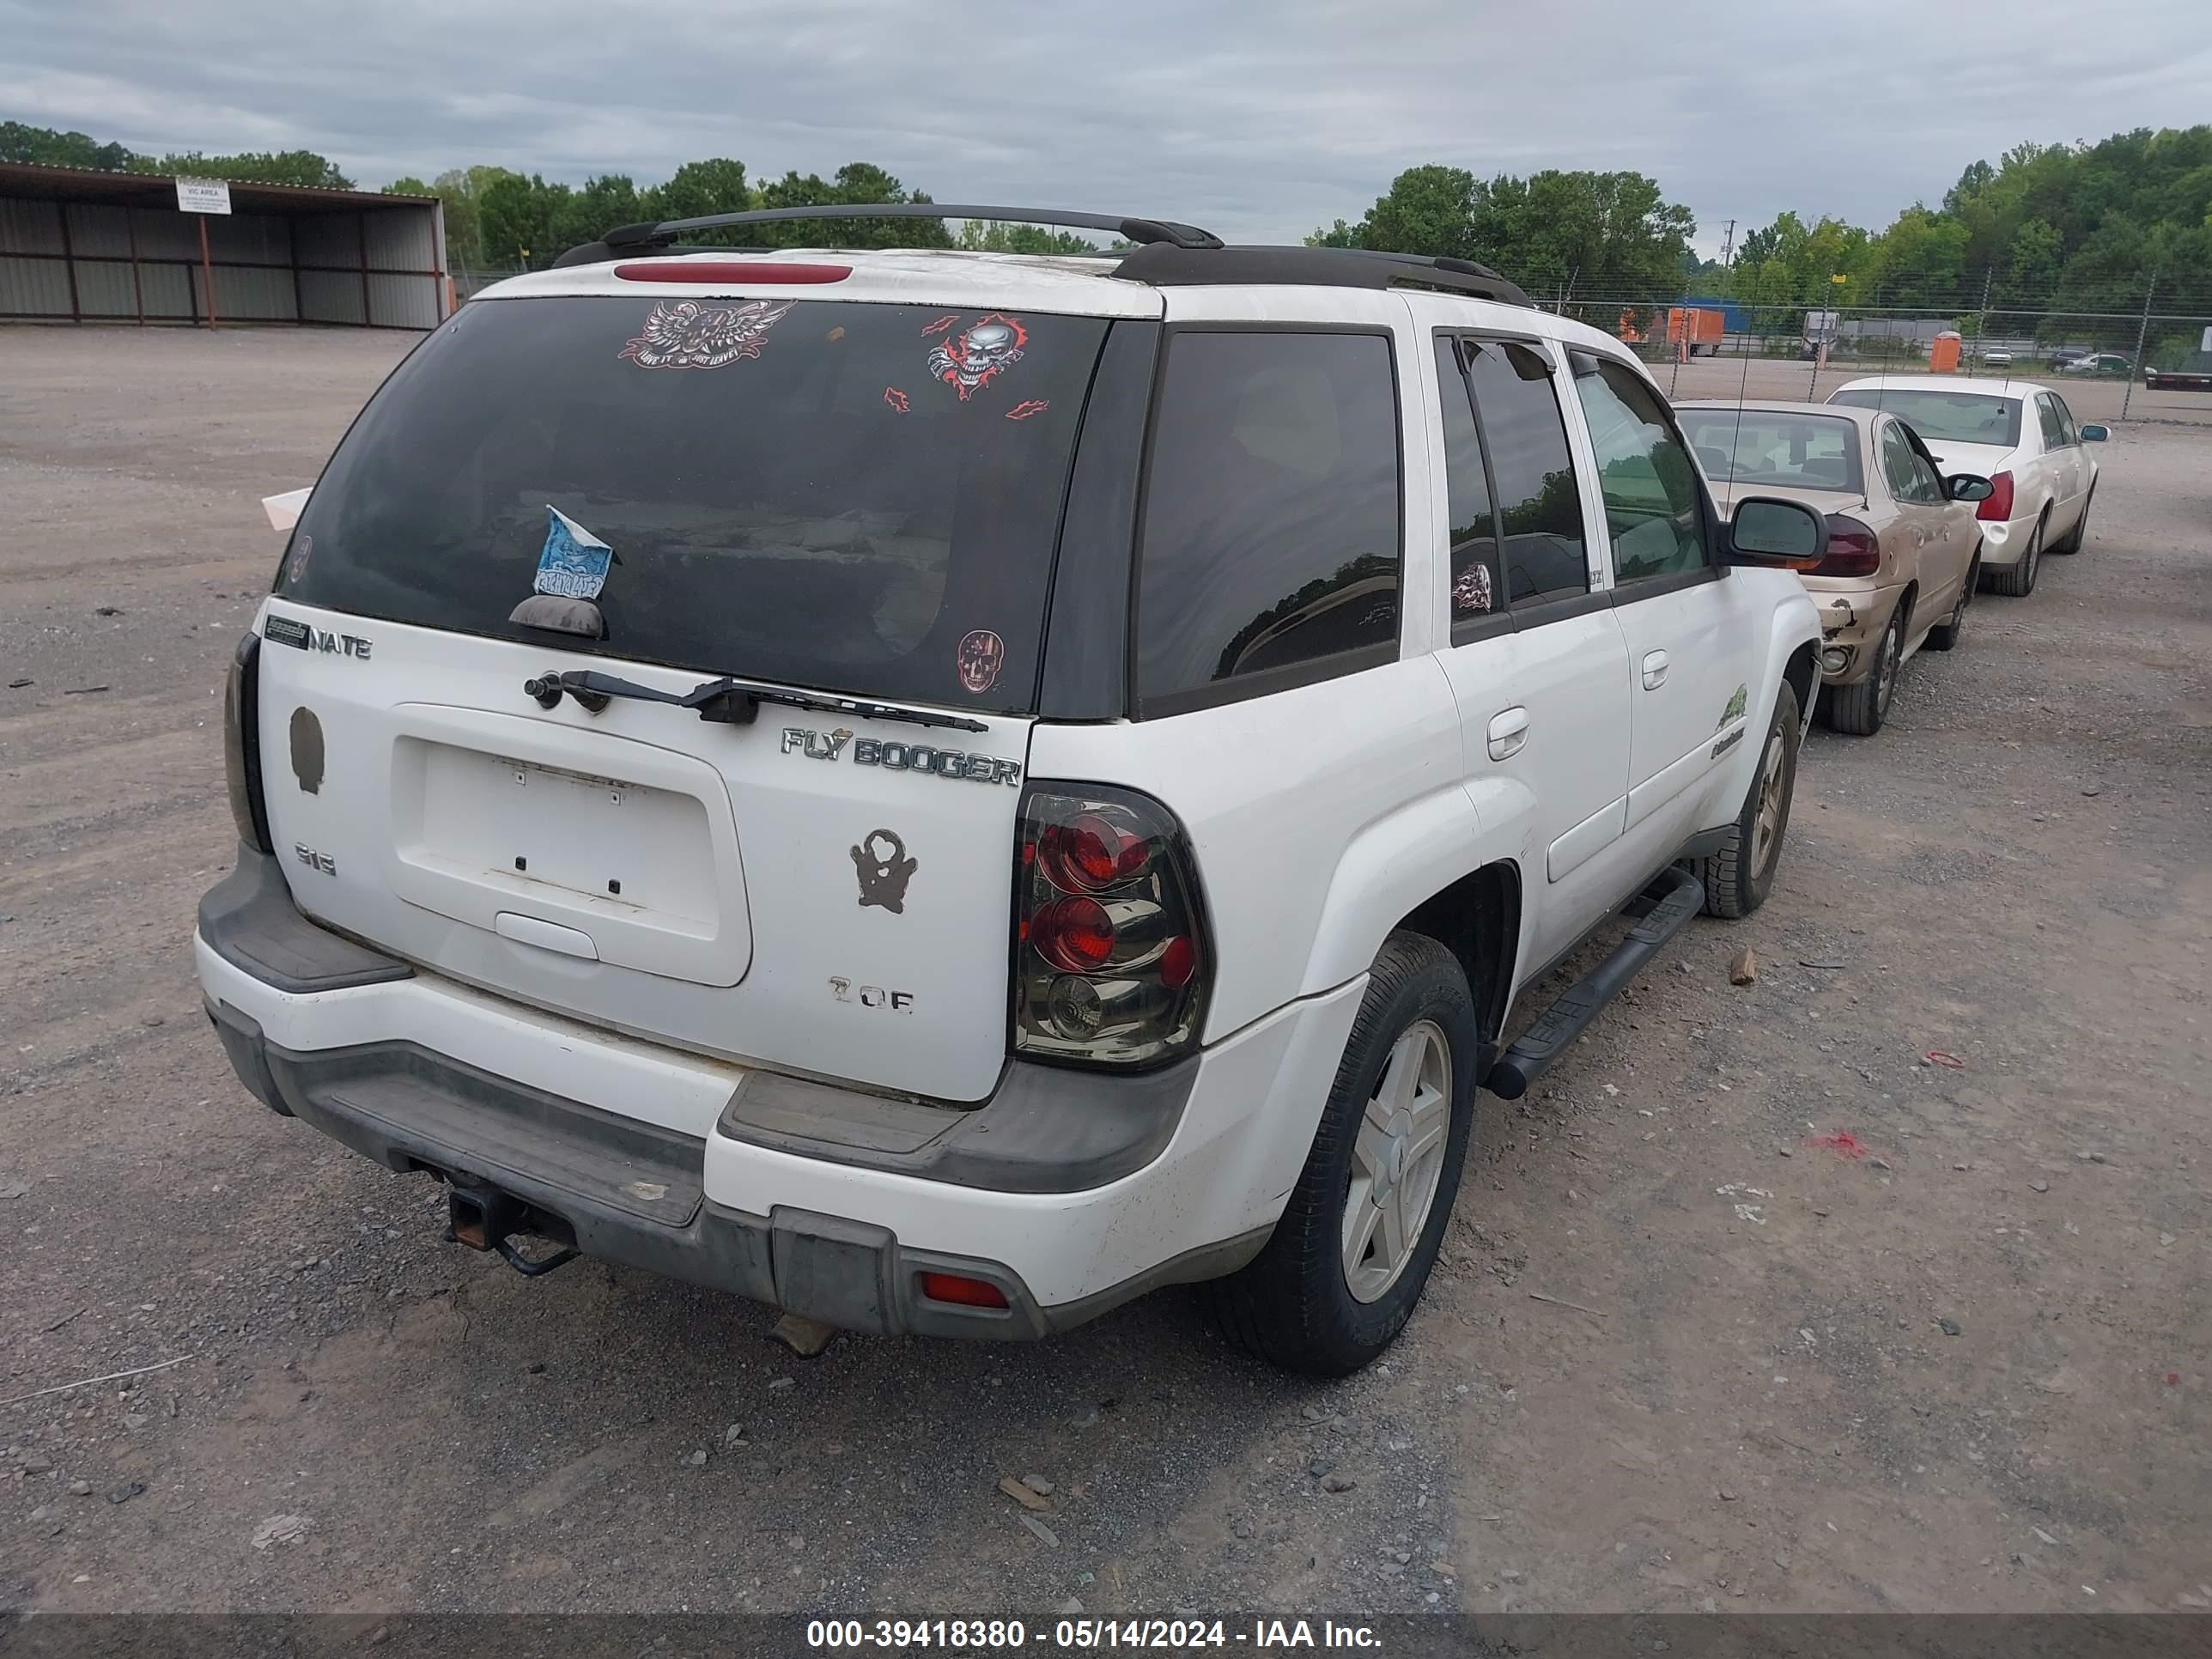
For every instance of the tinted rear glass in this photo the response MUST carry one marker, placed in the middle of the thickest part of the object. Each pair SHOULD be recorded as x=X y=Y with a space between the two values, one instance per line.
x=1763 y=446
x=1272 y=525
x=1959 y=418
x=863 y=498
x=1538 y=500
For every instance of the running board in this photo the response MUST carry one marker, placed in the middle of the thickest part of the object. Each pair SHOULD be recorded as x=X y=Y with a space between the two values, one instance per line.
x=1661 y=910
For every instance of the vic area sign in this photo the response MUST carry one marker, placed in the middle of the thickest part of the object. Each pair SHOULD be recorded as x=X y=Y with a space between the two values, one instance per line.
x=202 y=196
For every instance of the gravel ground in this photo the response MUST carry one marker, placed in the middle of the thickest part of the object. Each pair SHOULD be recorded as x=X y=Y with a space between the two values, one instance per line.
x=1677 y=1355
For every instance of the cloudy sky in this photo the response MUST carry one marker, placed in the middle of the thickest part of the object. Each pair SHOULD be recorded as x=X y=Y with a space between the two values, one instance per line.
x=1258 y=118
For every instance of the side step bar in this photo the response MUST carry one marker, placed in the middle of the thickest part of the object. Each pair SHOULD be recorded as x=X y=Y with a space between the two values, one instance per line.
x=1662 y=910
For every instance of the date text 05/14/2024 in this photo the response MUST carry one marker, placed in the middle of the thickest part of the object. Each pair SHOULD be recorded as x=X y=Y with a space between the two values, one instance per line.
x=1010 y=1635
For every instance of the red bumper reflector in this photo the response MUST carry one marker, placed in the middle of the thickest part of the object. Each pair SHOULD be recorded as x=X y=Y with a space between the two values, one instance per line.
x=728 y=270
x=961 y=1291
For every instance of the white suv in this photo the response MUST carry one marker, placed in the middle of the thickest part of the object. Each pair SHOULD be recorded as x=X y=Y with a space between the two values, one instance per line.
x=943 y=791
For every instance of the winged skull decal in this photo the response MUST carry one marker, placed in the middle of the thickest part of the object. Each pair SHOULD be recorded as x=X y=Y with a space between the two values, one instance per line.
x=688 y=335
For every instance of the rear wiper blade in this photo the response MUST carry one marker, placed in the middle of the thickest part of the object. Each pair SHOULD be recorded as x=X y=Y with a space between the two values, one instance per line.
x=728 y=701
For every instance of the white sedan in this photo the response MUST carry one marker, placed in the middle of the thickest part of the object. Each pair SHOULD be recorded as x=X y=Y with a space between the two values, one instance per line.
x=2019 y=435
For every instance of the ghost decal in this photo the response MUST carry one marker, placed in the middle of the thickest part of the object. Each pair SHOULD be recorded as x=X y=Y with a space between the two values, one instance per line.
x=688 y=335
x=897 y=399
x=883 y=875
x=976 y=356
x=1022 y=411
x=979 y=658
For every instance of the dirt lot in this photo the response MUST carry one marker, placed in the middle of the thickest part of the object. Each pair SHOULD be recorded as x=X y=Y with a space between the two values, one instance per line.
x=1676 y=1355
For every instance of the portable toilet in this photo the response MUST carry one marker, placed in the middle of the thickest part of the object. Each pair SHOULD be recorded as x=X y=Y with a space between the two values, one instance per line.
x=1943 y=353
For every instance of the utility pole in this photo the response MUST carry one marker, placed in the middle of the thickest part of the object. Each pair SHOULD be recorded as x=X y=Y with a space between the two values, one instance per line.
x=2143 y=333
x=1728 y=246
x=1981 y=317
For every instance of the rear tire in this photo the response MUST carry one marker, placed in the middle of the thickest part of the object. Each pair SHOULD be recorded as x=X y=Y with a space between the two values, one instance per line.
x=1325 y=1297
x=2017 y=582
x=2080 y=533
x=1739 y=876
x=1859 y=710
x=1945 y=635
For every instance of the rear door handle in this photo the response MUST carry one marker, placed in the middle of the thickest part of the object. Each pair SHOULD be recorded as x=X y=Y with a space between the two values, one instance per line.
x=1654 y=670
x=1509 y=730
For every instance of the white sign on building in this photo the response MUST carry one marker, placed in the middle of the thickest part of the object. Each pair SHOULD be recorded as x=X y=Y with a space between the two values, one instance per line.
x=202 y=196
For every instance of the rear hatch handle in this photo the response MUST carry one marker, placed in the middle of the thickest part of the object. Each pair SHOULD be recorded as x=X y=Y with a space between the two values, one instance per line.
x=726 y=701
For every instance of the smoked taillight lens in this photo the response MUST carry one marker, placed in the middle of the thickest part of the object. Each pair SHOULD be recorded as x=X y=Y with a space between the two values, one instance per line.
x=1998 y=504
x=241 y=745
x=1110 y=958
x=1852 y=549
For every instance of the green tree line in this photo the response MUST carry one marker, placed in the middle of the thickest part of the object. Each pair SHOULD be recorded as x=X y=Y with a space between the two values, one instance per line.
x=2078 y=228
x=19 y=143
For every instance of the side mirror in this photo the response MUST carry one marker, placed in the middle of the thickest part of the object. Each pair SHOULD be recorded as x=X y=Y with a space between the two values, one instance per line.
x=1968 y=486
x=1768 y=530
x=2093 y=435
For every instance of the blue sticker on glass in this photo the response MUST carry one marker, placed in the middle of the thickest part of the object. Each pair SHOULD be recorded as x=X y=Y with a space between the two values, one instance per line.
x=575 y=562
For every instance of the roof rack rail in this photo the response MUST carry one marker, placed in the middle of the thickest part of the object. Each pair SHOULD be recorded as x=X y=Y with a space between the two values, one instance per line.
x=1169 y=267
x=662 y=234
x=1167 y=254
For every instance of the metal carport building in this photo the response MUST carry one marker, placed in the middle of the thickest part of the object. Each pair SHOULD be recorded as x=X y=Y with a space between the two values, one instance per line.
x=79 y=244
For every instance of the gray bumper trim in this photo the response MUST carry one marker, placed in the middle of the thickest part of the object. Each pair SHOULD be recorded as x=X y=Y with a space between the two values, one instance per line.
x=1044 y=1129
x=632 y=1193
x=248 y=919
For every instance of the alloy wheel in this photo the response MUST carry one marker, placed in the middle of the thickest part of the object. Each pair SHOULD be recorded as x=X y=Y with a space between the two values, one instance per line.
x=1397 y=1159
x=1766 y=834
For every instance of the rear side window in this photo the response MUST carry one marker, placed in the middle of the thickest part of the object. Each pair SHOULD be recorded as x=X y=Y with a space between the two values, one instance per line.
x=1649 y=481
x=1896 y=463
x=1271 y=529
x=1474 y=585
x=2054 y=430
x=861 y=498
x=1540 y=507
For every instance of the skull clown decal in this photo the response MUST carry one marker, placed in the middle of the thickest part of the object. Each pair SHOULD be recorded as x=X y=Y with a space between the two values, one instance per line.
x=971 y=359
x=688 y=335
x=979 y=658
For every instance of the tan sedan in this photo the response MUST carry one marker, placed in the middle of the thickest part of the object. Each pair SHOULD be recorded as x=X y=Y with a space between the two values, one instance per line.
x=1904 y=545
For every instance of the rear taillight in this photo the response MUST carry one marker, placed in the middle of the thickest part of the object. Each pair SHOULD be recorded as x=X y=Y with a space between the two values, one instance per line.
x=241 y=744
x=1852 y=549
x=1110 y=960
x=1998 y=504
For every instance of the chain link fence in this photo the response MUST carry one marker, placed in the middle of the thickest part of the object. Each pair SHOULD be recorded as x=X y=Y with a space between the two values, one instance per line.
x=2151 y=362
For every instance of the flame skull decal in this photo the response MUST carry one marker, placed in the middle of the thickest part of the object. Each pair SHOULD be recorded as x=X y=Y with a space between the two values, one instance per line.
x=973 y=358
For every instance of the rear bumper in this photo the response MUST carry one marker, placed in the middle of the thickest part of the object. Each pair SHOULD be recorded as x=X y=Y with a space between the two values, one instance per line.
x=654 y=1158
x=1851 y=620
x=2007 y=542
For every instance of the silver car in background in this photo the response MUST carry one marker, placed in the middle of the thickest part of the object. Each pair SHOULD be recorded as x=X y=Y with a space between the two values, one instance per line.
x=2019 y=435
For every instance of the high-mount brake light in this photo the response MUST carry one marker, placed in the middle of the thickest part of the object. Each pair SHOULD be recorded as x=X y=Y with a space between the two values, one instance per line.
x=730 y=270
x=1110 y=960
x=1998 y=504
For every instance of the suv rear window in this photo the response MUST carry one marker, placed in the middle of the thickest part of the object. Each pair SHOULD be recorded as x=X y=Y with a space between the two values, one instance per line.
x=1271 y=525
x=861 y=498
